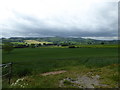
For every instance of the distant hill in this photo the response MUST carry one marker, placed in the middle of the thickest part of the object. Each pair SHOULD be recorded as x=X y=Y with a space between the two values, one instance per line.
x=58 y=40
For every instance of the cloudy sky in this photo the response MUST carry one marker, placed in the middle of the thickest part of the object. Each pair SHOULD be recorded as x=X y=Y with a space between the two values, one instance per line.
x=97 y=19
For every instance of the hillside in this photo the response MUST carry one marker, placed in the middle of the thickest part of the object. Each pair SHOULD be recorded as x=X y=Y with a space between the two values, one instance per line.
x=58 y=40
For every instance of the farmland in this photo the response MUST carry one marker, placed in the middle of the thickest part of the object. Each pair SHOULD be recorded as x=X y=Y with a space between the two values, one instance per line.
x=59 y=44
x=31 y=62
x=80 y=59
x=35 y=42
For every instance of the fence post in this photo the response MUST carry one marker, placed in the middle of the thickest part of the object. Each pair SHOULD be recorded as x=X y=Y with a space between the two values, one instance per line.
x=10 y=73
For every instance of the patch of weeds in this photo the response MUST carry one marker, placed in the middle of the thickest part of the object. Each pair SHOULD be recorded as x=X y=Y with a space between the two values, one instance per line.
x=71 y=87
x=23 y=72
x=66 y=82
x=115 y=77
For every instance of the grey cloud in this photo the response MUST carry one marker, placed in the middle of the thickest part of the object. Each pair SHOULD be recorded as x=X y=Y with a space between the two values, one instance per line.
x=103 y=23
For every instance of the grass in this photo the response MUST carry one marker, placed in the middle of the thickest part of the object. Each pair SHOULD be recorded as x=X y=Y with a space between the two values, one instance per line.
x=99 y=46
x=52 y=81
x=45 y=59
x=31 y=62
x=86 y=46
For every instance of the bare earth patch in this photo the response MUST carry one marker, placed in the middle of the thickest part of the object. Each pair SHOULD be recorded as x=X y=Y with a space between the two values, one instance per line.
x=82 y=82
x=53 y=73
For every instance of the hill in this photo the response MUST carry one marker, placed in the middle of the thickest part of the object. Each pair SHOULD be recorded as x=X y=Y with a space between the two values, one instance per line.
x=59 y=40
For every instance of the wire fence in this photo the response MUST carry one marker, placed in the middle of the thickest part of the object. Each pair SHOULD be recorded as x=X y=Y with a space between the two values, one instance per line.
x=6 y=71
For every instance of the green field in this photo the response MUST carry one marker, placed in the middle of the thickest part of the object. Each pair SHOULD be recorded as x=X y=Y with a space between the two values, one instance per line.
x=34 y=61
x=99 y=46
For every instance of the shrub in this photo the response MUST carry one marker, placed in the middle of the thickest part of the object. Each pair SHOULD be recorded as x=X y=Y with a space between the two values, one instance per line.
x=72 y=47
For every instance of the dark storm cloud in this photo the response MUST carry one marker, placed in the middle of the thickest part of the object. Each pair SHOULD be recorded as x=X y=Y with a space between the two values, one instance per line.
x=100 y=22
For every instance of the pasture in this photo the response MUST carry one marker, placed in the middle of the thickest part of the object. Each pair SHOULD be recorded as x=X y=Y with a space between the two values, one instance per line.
x=35 y=61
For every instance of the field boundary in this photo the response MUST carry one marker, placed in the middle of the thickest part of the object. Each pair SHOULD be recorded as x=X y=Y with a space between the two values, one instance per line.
x=9 y=73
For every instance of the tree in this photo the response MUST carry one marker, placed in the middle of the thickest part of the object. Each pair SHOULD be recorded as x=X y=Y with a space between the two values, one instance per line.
x=44 y=44
x=8 y=47
x=39 y=44
x=32 y=45
x=102 y=43
x=89 y=43
x=72 y=47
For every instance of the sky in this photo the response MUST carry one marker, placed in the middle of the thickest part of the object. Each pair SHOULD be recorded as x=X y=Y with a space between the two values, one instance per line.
x=96 y=19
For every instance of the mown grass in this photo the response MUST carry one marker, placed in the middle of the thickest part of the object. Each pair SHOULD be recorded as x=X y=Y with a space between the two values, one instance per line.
x=34 y=61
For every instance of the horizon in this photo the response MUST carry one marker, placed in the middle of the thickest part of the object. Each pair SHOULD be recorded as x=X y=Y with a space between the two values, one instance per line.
x=94 y=38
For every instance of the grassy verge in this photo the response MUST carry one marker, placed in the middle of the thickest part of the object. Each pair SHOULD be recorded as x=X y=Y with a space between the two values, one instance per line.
x=107 y=75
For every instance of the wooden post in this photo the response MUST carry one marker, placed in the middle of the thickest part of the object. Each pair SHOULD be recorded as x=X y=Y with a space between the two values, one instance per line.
x=10 y=73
